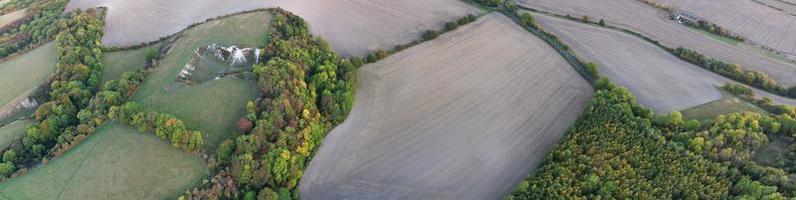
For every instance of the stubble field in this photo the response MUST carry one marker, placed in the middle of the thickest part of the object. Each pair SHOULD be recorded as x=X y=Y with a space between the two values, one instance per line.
x=464 y=116
x=117 y=162
x=353 y=28
x=751 y=20
x=654 y=23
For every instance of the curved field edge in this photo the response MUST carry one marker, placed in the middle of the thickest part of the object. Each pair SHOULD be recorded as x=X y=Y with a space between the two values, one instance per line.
x=117 y=162
x=213 y=107
x=12 y=131
x=449 y=117
x=353 y=28
x=653 y=25
x=24 y=73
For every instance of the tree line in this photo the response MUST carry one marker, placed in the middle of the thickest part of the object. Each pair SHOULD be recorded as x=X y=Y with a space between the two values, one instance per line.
x=733 y=71
x=71 y=87
x=617 y=149
x=305 y=89
x=41 y=23
x=165 y=126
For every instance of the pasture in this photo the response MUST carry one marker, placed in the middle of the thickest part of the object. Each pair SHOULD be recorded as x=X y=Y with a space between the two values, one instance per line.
x=654 y=23
x=117 y=162
x=755 y=22
x=212 y=107
x=353 y=28
x=463 y=116
x=13 y=131
x=116 y=63
x=23 y=73
x=726 y=105
x=11 y=17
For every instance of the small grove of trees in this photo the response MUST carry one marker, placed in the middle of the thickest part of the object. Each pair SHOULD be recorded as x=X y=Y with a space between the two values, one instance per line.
x=164 y=125
x=733 y=71
x=76 y=78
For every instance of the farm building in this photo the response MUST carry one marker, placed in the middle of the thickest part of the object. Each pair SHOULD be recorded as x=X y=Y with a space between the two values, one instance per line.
x=685 y=17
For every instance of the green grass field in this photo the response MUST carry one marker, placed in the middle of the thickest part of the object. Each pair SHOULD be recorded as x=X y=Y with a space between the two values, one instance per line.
x=26 y=72
x=13 y=131
x=726 y=105
x=718 y=37
x=212 y=107
x=117 y=162
x=118 y=62
x=777 y=150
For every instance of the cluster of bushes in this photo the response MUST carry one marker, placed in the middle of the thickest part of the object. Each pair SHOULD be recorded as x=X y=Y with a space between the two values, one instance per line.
x=733 y=71
x=305 y=90
x=42 y=22
x=767 y=104
x=164 y=125
x=489 y=3
x=713 y=28
x=616 y=150
x=426 y=36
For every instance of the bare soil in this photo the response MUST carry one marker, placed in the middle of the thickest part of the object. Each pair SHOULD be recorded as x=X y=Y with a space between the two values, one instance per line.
x=464 y=116
x=654 y=23
x=753 y=21
x=657 y=78
x=353 y=28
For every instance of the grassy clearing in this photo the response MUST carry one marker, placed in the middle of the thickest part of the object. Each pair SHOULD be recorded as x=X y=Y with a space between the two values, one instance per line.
x=117 y=162
x=718 y=37
x=776 y=151
x=726 y=105
x=26 y=72
x=118 y=62
x=13 y=131
x=212 y=107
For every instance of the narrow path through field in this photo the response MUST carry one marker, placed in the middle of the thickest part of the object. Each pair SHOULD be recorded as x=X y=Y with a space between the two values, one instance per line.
x=464 y=116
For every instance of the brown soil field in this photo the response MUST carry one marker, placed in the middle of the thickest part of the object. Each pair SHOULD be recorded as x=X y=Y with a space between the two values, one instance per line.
x=788 y=8
x=654 y=23
x=351 y=27
x=464 y=116
x=657 y=78
x=11 y=17
x=755 y=22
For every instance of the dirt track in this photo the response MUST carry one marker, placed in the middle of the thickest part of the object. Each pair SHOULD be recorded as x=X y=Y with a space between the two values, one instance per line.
x=464 y=116
x=651 y=22
x=751 y=20
x=352 y=27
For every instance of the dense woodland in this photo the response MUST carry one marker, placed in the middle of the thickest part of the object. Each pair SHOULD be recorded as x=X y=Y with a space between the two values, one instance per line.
x=619 y=149
x=42 y=22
